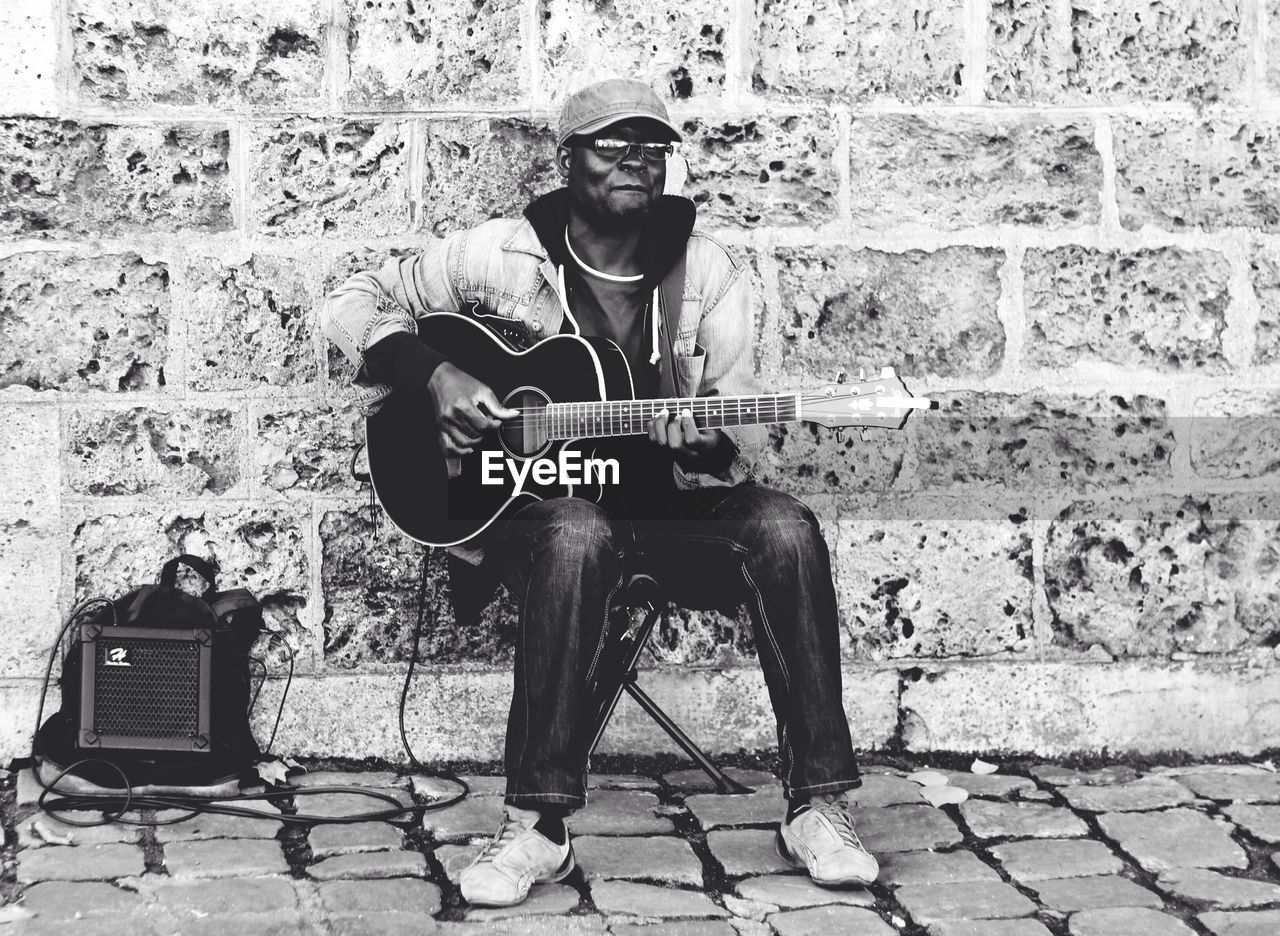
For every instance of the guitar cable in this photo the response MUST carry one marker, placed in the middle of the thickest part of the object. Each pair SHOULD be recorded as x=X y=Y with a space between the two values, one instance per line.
x=365 y=477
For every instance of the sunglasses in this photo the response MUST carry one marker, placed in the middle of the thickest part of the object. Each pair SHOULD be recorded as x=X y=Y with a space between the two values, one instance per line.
x=610 y=148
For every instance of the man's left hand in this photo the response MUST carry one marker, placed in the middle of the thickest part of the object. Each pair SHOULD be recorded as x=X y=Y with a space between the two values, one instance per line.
x=679 y=433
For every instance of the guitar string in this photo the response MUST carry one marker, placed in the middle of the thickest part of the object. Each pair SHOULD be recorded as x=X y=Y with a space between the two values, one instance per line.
x=699 y=402
x=543 y=414
x=540 y=417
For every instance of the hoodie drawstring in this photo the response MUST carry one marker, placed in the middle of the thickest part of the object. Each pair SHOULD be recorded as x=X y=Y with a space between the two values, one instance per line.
x=656 y=356
x=564 y=300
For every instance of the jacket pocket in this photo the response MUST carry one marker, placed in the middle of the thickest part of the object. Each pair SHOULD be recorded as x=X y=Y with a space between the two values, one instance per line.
x=688 y=371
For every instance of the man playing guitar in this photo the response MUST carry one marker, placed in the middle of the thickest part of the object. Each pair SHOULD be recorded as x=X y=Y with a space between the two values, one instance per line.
x=610 y=256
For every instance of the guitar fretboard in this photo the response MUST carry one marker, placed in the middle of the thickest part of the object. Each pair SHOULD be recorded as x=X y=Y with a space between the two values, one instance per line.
x=632 y=417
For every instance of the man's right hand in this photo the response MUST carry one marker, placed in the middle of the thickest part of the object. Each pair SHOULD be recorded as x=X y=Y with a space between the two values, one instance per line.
x=464 y=407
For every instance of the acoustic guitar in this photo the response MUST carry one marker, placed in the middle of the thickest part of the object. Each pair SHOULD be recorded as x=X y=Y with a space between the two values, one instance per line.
x=570 y=391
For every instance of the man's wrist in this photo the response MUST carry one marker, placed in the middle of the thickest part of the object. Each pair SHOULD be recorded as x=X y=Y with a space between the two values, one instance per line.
x=438 y=375
x=713 y=459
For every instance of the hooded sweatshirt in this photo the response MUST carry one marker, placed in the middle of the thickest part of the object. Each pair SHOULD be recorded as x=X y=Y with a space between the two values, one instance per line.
x=626 y=313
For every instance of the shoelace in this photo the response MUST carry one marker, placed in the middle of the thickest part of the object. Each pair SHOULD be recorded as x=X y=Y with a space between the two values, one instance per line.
x=838 y=815
x=506 y=833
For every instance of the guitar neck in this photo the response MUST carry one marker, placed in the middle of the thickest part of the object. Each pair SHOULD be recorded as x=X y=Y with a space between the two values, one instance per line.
x=608 y=418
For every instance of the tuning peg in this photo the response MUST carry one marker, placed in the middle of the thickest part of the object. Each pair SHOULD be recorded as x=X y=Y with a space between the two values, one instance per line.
x=840 y=377
x=862 y=374
x=840 y=435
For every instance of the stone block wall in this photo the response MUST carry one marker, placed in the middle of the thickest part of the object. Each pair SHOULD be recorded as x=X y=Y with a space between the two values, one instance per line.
x=1059 y=219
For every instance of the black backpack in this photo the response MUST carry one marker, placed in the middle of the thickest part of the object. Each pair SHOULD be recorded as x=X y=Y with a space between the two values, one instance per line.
x=233 y=618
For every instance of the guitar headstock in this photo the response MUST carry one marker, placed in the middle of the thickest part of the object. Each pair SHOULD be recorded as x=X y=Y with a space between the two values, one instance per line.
x=883 y=401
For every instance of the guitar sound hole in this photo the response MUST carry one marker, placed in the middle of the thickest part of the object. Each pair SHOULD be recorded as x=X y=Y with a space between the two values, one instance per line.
x=526 y=435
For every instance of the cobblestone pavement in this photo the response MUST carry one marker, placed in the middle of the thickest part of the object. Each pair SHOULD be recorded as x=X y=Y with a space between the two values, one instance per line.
x=1033 y=849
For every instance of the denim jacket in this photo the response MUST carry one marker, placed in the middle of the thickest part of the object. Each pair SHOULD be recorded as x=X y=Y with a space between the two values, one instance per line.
x=501 y=267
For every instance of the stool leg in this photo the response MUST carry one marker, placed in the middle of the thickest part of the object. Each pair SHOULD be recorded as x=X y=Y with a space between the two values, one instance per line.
x=724 y=783
x=623 y=673
x=619 y=661
x=604 y=712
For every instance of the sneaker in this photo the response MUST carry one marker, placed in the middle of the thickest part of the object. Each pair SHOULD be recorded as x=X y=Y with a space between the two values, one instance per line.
x=518 y=857
x=820 y=838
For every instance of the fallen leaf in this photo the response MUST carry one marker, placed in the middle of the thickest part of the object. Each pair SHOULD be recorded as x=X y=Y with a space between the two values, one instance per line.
x=14 y=912
x=928 y=778
x=274 y=772
x=982 y=767
x=945 y=795
x=50 y=836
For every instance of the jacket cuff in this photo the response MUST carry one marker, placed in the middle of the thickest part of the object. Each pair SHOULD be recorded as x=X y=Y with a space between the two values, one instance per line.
x=402 y=362
x=734 y=469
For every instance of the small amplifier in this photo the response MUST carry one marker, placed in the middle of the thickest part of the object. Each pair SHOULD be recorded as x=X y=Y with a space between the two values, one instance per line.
x=144 y=689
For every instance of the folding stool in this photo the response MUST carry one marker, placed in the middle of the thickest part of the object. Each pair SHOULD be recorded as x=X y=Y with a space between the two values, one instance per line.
x=636 y=610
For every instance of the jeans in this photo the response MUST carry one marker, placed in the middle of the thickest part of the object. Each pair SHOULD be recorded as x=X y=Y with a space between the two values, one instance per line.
x=713 y=547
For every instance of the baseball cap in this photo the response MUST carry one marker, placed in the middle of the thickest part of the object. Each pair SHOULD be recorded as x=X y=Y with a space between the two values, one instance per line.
x=606 y=102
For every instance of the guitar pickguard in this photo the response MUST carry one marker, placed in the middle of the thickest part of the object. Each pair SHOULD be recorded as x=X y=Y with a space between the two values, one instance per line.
x=515 y=334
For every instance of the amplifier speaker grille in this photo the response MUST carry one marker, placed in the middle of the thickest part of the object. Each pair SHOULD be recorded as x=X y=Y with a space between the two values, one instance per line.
x=156 y=695
x=144 y=689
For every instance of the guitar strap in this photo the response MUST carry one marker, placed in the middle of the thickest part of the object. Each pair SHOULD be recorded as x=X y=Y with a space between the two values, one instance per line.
x=670 y=296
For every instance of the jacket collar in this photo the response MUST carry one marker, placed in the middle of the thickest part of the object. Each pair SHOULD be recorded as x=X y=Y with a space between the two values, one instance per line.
x=524 y=240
